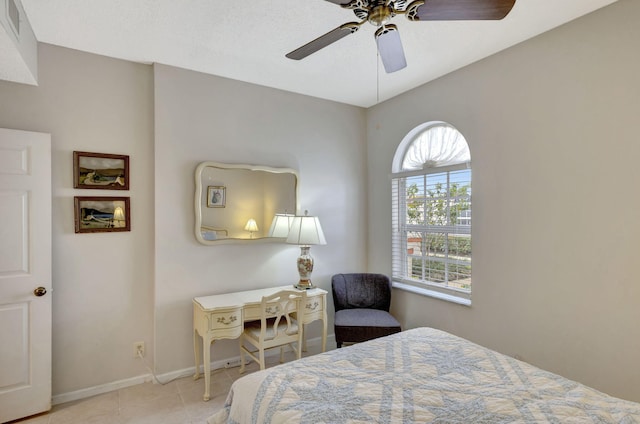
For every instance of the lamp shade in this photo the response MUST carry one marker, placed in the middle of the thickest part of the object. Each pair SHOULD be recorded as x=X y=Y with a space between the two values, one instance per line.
x=280 y=225
x=251 y=225
x=306 y=230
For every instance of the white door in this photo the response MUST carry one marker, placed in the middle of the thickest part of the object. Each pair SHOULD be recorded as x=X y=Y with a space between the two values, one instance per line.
x=25 y=273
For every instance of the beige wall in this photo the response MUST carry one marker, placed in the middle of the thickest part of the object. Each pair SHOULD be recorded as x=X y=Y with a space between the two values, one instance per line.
x=107 y=287
x=102 y=283
x=553 y=129
x=201 y=117
x=551 y=124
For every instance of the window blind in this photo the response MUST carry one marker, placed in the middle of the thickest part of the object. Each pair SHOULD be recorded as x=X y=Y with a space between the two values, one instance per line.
x=431 y=228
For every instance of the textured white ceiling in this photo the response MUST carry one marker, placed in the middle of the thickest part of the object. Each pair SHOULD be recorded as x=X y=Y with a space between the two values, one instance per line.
x=247 y=40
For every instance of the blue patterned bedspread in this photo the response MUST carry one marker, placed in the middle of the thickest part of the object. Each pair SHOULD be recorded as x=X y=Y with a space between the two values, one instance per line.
x=417 y=376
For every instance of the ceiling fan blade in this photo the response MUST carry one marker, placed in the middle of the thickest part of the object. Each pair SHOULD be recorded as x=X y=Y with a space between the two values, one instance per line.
x=390 y=48
x=324 y=40
x=459 y=10
x=340 y=2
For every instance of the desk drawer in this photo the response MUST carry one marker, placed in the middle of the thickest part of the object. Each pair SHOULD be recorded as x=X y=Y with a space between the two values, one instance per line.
x=314 y=309
x=252 y=312
x=226 y=320
x=313 y=305
x=226 y=324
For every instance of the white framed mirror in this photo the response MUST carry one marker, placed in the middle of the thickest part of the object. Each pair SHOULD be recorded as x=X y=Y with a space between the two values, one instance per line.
x=237 y=203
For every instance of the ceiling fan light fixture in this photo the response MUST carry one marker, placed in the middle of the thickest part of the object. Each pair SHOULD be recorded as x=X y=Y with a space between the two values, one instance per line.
x=390 y=48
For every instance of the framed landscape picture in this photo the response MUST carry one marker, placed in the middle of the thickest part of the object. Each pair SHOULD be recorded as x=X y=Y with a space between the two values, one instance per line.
x=102 y=214
x=100 y=171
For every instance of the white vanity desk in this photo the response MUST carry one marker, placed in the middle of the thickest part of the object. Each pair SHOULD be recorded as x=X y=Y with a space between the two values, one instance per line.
x=222 y=316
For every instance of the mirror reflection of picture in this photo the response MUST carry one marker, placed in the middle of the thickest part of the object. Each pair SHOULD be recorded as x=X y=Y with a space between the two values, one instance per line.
x=216 y=196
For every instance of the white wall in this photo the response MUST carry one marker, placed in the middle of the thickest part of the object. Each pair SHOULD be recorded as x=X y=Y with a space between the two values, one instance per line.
x=201 y=117
x=552 y=127
x=102 y=283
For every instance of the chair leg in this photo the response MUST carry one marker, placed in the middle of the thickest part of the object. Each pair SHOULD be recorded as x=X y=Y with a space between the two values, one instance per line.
x=242 y=357
x=338 y=344
x=261 y=353
x=281 y=354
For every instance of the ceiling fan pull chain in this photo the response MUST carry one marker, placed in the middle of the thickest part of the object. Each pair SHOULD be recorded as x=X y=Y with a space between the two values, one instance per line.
x=377 y=76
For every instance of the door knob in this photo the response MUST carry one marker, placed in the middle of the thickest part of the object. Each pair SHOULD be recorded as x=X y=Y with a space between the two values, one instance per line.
x=40 y=291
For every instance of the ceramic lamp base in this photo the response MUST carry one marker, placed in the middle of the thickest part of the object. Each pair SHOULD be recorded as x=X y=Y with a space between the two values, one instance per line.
x=305 y=267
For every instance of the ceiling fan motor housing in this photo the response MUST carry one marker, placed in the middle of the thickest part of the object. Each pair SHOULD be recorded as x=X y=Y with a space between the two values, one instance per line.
x=376 y=12
x=380 y=14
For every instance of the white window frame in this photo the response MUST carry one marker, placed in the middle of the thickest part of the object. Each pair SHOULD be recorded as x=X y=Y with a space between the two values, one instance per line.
x=400 y=226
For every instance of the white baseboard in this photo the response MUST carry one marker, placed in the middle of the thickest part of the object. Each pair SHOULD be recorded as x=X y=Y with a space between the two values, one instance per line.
x=98 y=390
x=164 y=378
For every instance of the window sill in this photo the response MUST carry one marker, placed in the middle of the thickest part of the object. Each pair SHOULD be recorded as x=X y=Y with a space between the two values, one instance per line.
x=424 y=291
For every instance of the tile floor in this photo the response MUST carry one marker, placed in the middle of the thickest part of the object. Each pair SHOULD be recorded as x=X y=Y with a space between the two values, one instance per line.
x=177 y=402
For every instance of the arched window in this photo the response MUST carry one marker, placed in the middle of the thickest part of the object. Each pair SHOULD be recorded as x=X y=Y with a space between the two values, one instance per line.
x=431 y=200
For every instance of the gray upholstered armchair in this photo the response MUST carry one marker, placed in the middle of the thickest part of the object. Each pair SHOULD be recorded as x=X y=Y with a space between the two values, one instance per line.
x=362 y=307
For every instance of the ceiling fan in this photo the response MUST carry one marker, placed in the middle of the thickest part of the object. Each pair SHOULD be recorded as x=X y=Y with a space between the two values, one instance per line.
x=380 y=12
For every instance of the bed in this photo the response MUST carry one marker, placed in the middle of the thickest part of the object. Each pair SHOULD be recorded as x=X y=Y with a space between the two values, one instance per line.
x=421 y=375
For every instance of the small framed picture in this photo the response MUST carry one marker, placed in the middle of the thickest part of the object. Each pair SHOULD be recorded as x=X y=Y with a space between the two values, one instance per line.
x=216 y=196
x=102 y=214
x=100 y=171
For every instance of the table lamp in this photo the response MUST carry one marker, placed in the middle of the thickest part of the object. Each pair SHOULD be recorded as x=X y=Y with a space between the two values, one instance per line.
x=280 y=225
x=251 y=226
x=305 y=231
x=118 y=217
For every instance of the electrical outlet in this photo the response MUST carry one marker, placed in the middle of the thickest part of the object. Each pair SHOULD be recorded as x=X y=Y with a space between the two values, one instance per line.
x=138 y=350
x=233 y=363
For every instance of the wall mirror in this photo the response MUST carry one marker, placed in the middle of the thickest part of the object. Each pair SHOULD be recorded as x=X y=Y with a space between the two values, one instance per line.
x=238 y=203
